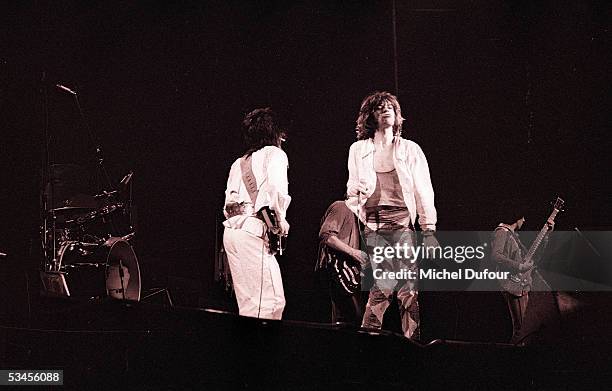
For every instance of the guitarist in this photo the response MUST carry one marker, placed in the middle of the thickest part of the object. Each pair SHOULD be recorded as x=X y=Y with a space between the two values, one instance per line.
x=509 y=253
x=341 y=258
x=256 y=180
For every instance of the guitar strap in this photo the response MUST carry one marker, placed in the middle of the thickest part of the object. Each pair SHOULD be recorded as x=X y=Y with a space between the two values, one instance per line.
x=246 y=166
x=515 y=238
x=250 y=183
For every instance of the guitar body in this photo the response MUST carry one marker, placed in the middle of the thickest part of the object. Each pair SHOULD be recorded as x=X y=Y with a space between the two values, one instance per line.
x=277 y=241
x=516 y=283
x=344 y=270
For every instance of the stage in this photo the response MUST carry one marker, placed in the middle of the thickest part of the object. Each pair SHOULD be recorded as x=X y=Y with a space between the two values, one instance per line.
x=108 y=343
x=121 y=121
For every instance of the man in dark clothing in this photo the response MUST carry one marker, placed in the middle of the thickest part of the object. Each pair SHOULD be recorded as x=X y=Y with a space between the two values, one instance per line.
x=340 y=257
x=509 y=253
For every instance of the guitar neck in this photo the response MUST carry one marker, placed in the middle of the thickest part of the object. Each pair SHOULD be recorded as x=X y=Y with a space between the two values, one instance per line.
x=538 y=240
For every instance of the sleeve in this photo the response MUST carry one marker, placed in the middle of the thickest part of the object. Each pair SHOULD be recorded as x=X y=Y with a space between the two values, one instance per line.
x=424 y=194
x=353 y=179
x=497 y=251
x=277 y=183
x=232 y=190
x=332 y=223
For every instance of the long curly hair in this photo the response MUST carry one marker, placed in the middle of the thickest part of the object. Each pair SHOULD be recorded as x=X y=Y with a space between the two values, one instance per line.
x=261 y=129
x=366 y=122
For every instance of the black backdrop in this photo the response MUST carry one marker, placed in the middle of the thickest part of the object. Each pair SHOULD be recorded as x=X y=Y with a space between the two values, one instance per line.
x=501 y=95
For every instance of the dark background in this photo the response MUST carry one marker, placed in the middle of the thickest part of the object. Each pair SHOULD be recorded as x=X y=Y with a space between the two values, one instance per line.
x=504 y=97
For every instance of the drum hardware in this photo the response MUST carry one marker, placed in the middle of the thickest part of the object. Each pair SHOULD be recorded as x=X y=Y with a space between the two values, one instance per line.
x=85 y=232
x=129 y=236
x=89 y=244
x=71 y=209
x=79 y=264
x=106 y=194
x=121 y=277
x=158 y=291
x=95 y=270
x=54 y=283
x=81 y=246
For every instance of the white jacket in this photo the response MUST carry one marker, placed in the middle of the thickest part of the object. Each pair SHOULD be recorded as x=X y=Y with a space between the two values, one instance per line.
x=270 y=170
x=413 y=173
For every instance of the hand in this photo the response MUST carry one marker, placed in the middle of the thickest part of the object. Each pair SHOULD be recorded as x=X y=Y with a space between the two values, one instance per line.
x=430 y=241
x=551 y=224
x=284 y=227
x=525 y=266
x=361 y=257
x=355 y=190
x=234 y=208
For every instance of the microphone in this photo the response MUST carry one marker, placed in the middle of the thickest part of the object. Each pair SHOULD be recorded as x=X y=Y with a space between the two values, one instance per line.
x=64 y=88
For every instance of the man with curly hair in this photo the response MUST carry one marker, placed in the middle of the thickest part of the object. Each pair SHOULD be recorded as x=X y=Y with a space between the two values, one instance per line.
x=388 y=187
x=256 y=180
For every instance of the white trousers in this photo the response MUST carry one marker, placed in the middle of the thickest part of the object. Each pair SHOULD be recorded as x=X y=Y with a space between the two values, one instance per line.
x=255 y=274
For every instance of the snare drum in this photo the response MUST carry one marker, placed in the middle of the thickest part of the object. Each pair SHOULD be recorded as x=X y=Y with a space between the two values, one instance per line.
x=99 y=270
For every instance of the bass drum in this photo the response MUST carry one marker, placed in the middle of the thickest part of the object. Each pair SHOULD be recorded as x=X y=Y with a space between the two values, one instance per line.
x=109 y=269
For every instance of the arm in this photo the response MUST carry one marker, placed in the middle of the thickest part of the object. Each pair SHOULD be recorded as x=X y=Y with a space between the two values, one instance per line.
x=336 y=217
x=497 y=252
x=333 y=242
x=232 y=203
x=424 y=193
x=278 y=184
x=352 y=186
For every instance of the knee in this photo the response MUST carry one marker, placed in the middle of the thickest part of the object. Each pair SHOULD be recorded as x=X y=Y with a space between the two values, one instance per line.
x=381 y=295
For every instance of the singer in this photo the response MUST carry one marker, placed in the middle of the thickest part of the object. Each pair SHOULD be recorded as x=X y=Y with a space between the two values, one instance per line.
x=388 y=185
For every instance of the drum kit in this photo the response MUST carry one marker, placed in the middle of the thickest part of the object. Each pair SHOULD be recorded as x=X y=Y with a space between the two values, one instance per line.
x=87 y=239
x=86 y=234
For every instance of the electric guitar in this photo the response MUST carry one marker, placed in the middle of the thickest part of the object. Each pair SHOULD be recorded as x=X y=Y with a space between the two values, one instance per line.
x=344 y=270
x=277 y=241
x=517 y=281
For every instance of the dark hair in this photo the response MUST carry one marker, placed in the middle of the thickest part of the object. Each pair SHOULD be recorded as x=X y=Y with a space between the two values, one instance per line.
x=512 y=210
x=366 y=122
x=261 y=129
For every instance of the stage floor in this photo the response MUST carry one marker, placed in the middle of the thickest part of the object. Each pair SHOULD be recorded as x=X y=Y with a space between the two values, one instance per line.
x=103 y=344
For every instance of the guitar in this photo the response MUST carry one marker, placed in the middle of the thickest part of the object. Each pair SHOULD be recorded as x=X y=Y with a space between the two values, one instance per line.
x=344 y=270
x=277 y=241
x=517 y=281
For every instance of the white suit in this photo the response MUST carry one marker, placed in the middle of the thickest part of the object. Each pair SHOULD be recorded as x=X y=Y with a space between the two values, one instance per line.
x=255 y=272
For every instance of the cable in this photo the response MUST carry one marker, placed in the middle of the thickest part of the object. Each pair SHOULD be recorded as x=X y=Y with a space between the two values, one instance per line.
x=263 y=246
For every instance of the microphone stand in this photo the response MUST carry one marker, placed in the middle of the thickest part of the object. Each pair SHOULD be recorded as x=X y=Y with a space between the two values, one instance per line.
x=94 y=140
x=121 y=278
x=47 y=193
x=588 y=242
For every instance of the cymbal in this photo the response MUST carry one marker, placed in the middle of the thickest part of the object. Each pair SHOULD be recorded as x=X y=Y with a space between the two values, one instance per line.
x=106 y=194
x=76 y=201
x=71 y=209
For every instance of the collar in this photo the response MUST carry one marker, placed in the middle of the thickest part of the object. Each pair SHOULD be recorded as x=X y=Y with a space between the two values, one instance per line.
x=506 y=226
x=368 y=147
